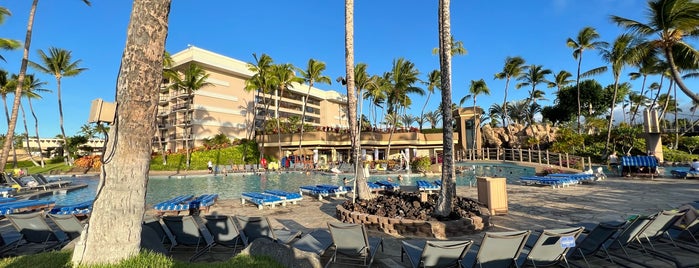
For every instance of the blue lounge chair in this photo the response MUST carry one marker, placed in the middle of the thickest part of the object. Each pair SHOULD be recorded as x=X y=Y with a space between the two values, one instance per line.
x=374 y=187
x=389 y=185
x=77 y=209
x=262 y=199
x=288 y=196
x=334 y=189
x=202 y=202
x=24 y=205
x=7 y=191
x=7 y=199
x=316 y=191
x=174 y=203
x=684 y=174
x=187 y=203
x=425 y=186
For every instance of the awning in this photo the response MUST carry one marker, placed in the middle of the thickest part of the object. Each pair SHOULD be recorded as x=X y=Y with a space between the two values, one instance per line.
x=639 y=161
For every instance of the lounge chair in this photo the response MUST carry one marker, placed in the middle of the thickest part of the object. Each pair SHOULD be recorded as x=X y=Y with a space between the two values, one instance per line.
x=262 y=199
x=389 y=185
x=7 y=199
x=34 y=229
x=352 y=243
x=654 y=239
x=186 y=231
x=175 y=203
x=288 y=196
x=225 y=231
x=260 y=227
x=497 y=249
x=334 y=189
x=6 y=192
x=551 y=247
x=435 y=253
x=317 y=241
x=69 y=224
x=315 y=191
x=25 y=206
x=425 y=186
x=82 y=208
x=51 y=184
x=156 y=224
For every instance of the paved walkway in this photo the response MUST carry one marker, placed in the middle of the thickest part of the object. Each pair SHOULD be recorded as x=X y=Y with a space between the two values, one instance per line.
x=530 y=208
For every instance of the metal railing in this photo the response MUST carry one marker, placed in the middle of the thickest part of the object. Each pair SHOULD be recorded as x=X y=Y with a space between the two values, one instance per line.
x=529 y=156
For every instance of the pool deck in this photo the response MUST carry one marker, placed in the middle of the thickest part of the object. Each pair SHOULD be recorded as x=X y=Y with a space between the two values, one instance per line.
x=530 y=208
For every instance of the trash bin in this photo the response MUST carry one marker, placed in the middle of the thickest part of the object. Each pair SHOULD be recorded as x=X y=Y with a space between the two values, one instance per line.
x=493 y=193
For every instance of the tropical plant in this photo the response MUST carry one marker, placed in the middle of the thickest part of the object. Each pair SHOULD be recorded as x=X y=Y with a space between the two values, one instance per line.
x=433 y=117
x=647 y=66
x=6 y=44
x=32 y=87
x=59 y=64
x=261 y=84
x=312 y=74
x=6 y=88
x=433 y=81
x=190 y=80
x=586 y=40
x=621 y=53
x=560 y=80
x=457 y=48
x=403 y=77
x=514 y=66
x=121 y=195
x=669 y=22
x=282 y=77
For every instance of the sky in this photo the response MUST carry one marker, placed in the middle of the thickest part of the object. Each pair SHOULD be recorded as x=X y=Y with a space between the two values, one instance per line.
x=295 y=31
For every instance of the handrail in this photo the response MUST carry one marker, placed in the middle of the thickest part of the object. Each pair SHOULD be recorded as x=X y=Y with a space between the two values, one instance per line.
x=542 y=157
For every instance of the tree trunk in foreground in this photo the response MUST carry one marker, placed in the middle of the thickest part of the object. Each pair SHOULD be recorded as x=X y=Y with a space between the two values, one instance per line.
x=448 y=191
x=114 y=231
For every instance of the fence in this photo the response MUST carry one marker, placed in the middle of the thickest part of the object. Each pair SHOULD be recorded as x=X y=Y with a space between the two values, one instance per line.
x=529 y=156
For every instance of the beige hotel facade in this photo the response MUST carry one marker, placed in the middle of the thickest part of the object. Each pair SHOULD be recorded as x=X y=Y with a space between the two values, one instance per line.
x=226 y=107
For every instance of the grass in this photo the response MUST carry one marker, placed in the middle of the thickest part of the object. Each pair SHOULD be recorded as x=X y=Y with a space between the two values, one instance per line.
x=145 y=259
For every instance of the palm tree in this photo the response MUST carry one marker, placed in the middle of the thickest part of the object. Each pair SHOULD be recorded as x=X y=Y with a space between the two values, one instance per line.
x=670 y=22
x=457 y=48
x=312 y=74
x=560 y=80
x=402 y=77
x=6 y=88
x=6 y=44
x=586 y=40
x=513 y=68
x=122 y=190
x=534 y=75
x=190 y=80
x=261 y=84
x=447 y=194
x=32 y=86
x=647 y=66
x=636 y=100
x=170 y=75
x=283 y=76
x=621 y=53
x=377 y=93
x=59 y=64
x=432 y=83
x=475 y=88
x=408 y=120
x=433 y=117
x=496 y=112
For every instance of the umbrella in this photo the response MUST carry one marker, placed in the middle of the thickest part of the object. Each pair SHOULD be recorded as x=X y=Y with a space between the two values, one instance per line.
x=303 y=151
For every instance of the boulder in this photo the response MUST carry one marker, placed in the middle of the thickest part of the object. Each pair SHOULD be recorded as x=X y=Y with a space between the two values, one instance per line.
x=283 y=254
x=517 y=135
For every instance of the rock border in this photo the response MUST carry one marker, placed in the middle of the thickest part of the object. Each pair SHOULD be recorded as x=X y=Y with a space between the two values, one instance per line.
x=416 y=228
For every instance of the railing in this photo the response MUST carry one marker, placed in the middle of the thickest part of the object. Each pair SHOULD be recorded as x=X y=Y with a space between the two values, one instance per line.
x=529 y=156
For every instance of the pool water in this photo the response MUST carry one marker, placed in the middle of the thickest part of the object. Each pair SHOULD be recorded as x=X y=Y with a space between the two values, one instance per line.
x=231 y=186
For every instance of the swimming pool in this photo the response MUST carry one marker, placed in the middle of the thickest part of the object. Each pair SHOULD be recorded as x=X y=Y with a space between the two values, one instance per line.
x=231 y=186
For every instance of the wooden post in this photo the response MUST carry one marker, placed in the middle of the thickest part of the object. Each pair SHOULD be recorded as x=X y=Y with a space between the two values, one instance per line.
x=560 y=160
x=589 y=162
x=520 y=155
x=539 y=151
x=548 y=159
x=583 y=162
x=487 y=152
x=497 y=153
x=567 y=161
x=530 y=155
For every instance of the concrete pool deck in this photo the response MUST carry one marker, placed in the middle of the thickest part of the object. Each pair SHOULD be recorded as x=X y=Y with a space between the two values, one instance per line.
x=530 y=208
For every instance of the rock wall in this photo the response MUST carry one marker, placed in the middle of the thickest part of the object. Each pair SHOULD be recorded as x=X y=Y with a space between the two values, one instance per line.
x=416 y=228
x=517 y=135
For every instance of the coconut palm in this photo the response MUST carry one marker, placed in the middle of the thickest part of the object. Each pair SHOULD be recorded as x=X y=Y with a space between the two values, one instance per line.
x=447 y=194
x=312 y=74
x=496 y=112
x=637 y=100
x=457 y=48
x=514 y=66
x=377 y=93
x=433 y=117
x=190 y=80
x=647 y=66
x=6 y=44
x=6 y=88
x=475 y=88
x=586 y=40
x=59 y=64
x=283 y=77
x=168 y=74
x=621 y=53
x=669 y=23
x=260 y=83
x=32 y=87
x=402 y=77
x=408 y=120
x=534 y=75
x=433 y=81
x=561 y=80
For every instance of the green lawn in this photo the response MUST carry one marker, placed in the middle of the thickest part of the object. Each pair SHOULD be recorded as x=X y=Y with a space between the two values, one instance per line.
x=146 y=259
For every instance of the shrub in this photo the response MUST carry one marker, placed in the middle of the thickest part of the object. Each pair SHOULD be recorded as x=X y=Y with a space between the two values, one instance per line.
x=421 y=164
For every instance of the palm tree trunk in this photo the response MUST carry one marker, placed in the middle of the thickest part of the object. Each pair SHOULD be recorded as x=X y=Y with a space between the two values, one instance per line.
x=577 y=83
x=638 y=106
x=674 y=71
x=655 y=99
x=120 y=202
x=12 y=123
x=36 y=131
x=66 y=155
x=279 y=129
x=667 y=100
x=611 y=114
x=26 y=135
x=447 y=194
x=303 y=113
x=422 y=113
x=476 y=126
x=7 y=115
x=504 y=106
x=677 y=131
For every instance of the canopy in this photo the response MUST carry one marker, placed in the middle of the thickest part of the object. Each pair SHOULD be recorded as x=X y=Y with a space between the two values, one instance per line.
x=303 y=151
x=639 y=161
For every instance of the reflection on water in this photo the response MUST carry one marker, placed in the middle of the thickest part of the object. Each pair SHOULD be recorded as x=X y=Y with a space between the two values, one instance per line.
x=231 y=186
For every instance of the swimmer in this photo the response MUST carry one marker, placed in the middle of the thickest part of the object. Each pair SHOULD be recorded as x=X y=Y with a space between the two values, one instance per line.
x=400 y=178
x=389 y=179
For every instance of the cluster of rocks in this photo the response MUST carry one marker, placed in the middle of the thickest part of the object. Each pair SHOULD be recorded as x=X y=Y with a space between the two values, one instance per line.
x=517 y=135
x=406 y=205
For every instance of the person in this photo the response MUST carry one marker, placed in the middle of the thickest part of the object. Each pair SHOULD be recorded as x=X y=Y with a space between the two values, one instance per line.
x=210 y=166
x=695 y=165
x=400 y=177
x=613 y=162
x=344 y=181
x=389 y=179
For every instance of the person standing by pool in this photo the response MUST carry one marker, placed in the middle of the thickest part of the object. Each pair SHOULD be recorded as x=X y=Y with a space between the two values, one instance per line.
x=614 y=162
x=210 y=167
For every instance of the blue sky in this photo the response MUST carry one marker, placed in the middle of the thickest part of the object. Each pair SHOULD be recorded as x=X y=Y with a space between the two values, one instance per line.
x=294 y=31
